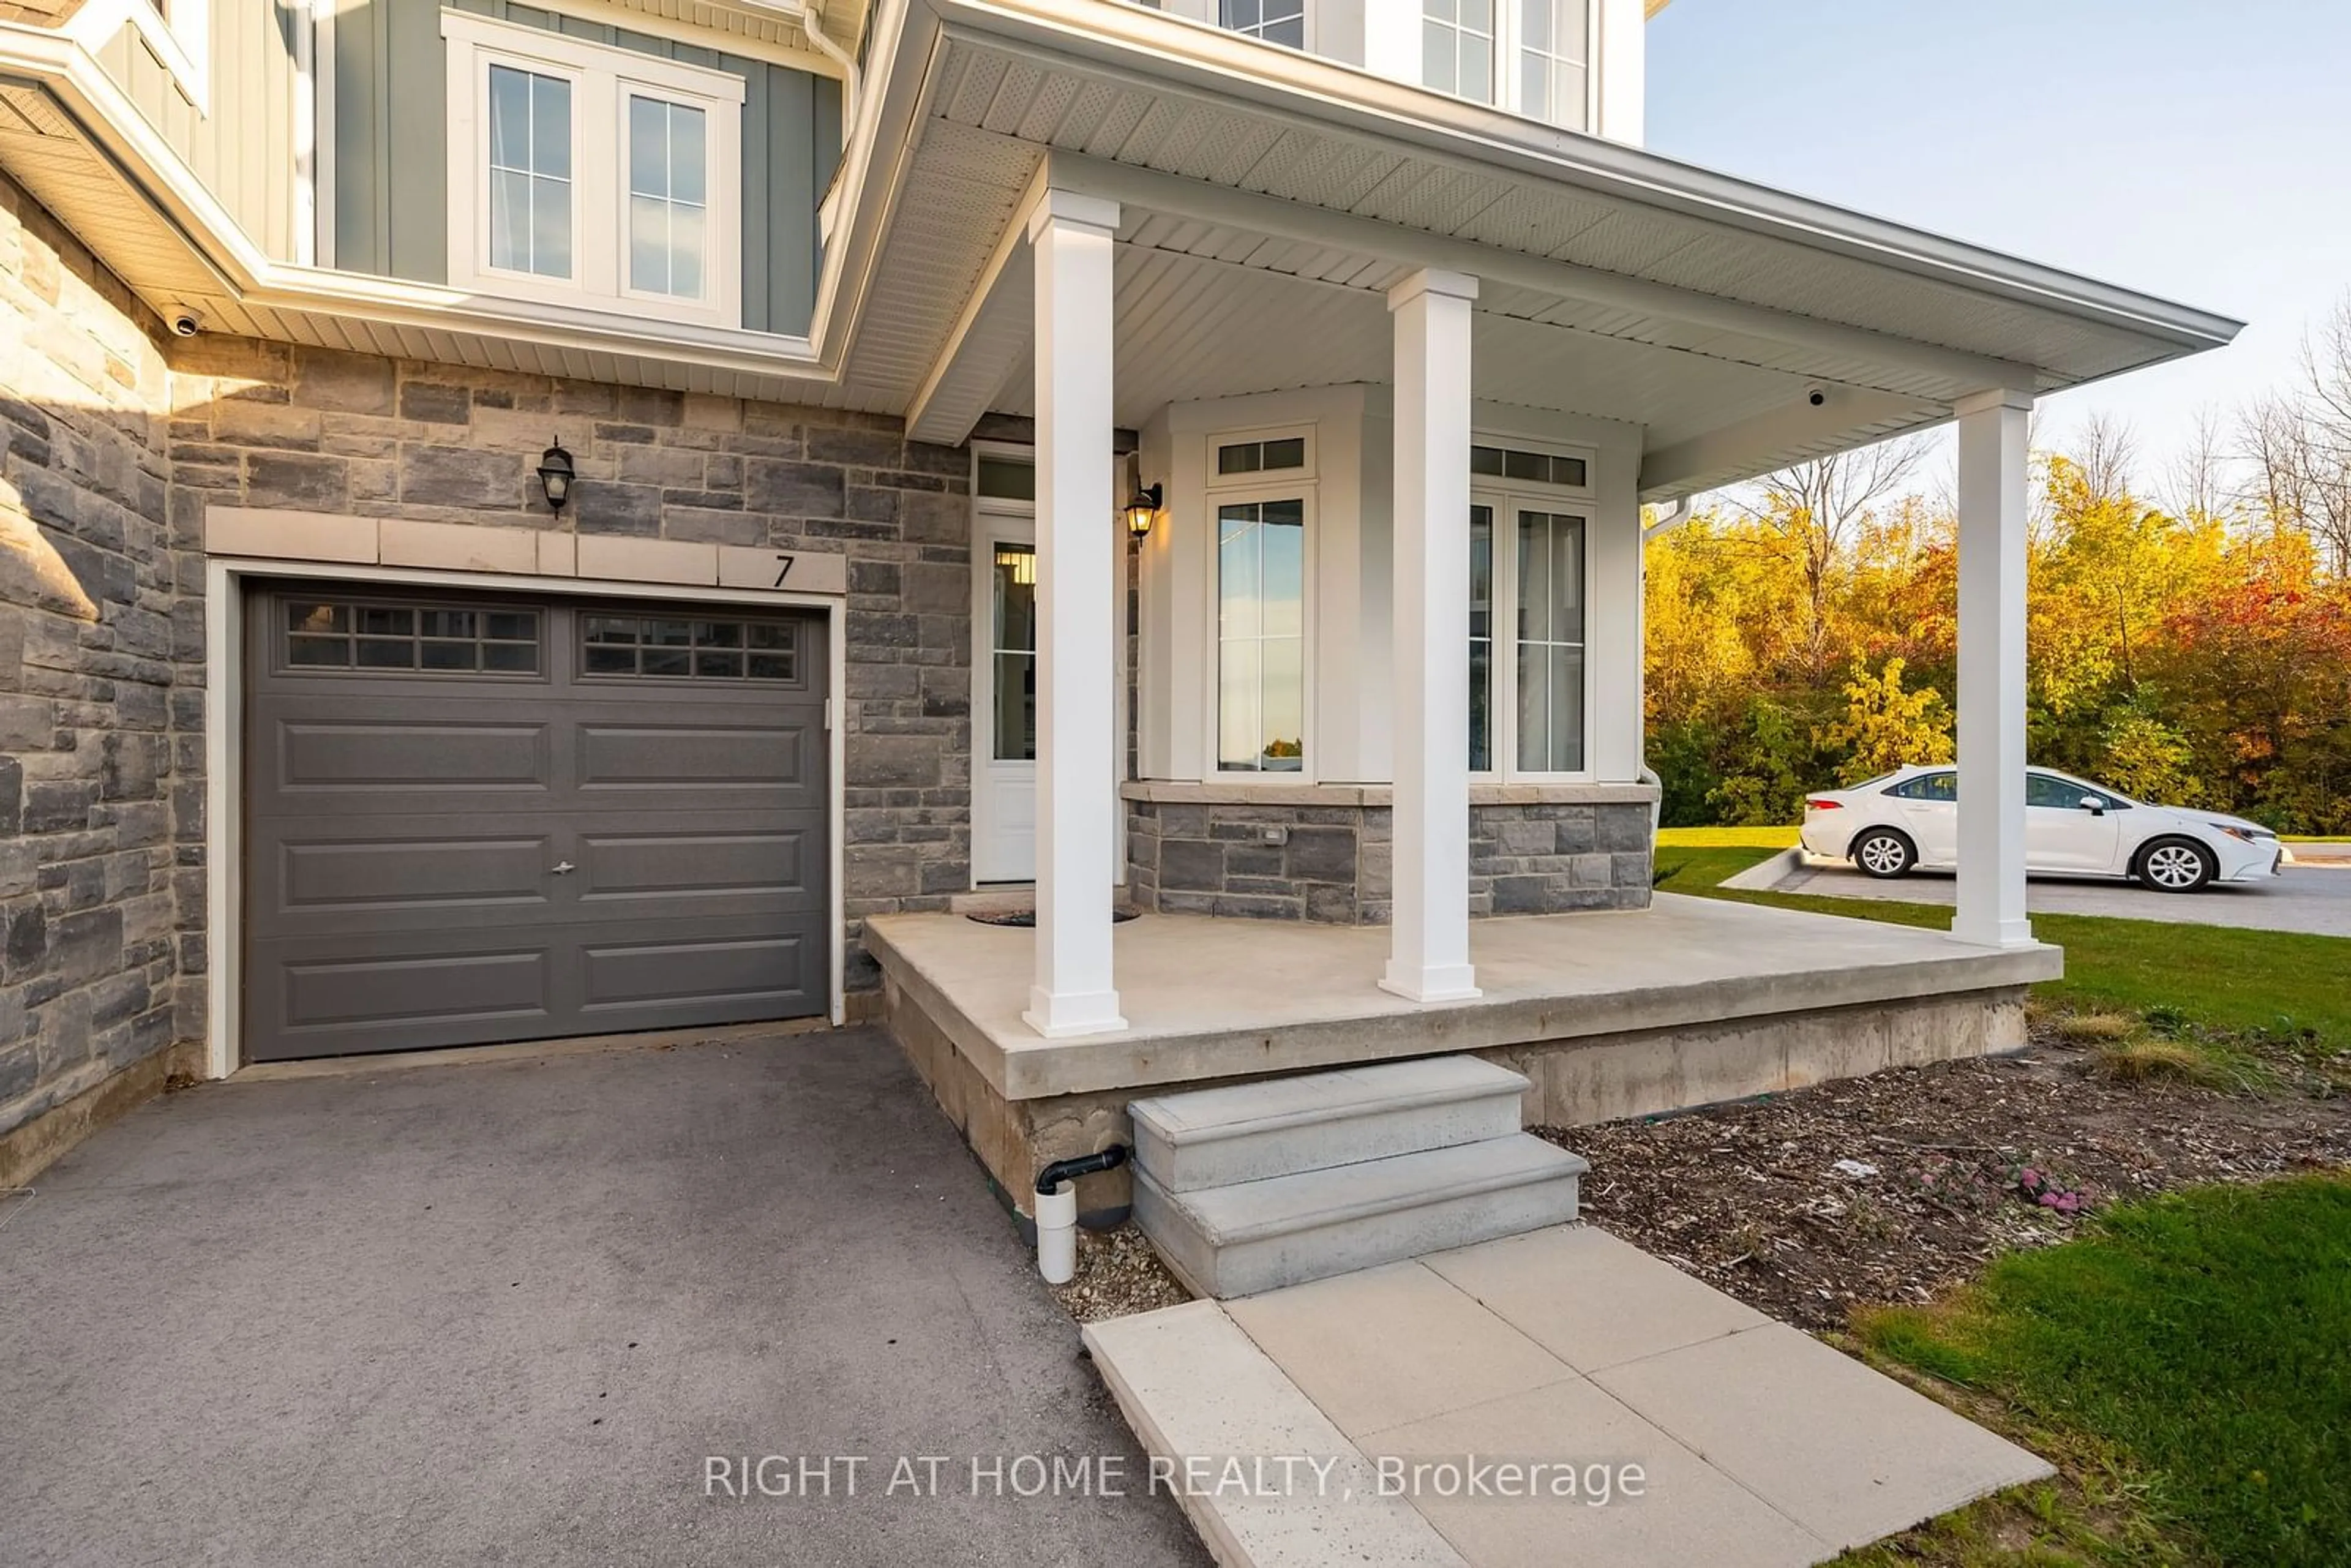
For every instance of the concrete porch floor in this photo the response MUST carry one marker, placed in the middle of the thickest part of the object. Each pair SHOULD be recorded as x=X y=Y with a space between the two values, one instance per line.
x=1755 y=1444
x=1207 y=998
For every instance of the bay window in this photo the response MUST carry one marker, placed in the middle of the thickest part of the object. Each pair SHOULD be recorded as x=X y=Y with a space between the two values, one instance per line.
x=589 y=175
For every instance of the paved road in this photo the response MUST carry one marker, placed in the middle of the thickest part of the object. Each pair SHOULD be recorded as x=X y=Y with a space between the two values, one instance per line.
x=503 y=1313
x=2312 y=897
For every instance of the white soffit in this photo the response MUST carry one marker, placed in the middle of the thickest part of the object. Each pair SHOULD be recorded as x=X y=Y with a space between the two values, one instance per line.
x=1637 y=329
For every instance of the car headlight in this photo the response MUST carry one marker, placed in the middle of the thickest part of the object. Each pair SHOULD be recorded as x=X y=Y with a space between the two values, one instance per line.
x=2245 y=835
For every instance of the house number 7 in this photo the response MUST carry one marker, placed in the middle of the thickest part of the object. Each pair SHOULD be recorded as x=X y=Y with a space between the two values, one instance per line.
x=784 y=570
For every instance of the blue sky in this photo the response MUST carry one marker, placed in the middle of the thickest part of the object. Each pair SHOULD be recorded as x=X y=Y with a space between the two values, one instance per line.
x=2193 y=150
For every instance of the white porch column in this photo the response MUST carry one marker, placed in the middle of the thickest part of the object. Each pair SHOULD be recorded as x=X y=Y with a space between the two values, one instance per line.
x=1428 y=941
x=1991 y=670
x=1077 y=650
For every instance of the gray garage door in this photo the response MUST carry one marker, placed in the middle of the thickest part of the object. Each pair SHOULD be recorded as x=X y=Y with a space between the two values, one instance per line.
x=479 y=820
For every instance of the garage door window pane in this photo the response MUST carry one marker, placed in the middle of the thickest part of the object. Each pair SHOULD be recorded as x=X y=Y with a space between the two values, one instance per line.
x=319 y=653
x=426 y=639
x=637 y=645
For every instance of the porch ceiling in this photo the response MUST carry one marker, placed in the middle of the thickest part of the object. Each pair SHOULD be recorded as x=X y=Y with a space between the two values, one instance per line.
x=1268 y=200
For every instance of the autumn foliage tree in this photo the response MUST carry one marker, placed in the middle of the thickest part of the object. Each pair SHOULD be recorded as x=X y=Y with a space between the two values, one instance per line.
x=2199 y=657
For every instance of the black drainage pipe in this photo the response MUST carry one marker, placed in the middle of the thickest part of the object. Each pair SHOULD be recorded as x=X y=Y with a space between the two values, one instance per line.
x=1060 y=1171
x=1056 y=1210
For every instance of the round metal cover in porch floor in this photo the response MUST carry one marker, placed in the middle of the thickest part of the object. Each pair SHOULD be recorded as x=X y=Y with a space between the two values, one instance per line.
x=475 y=819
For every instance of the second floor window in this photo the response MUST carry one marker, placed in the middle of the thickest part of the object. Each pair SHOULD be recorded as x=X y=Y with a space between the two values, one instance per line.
x=1276 y=21
x=530 y=173
x=1456 y=47
x=582 y=174
x=1527 y=55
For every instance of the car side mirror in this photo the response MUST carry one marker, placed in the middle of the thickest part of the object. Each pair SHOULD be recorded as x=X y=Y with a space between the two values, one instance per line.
x=2093 y=805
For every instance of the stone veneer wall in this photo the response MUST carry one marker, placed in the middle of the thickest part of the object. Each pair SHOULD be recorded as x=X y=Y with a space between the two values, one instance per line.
x=269 y=425
x=118 y=440
x=101 y=887
x=1204 y=850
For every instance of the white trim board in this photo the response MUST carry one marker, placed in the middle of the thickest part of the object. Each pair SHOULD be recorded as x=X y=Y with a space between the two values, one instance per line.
x=225 y=627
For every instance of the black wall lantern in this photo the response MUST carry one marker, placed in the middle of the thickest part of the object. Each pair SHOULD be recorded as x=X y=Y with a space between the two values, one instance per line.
x=555 y=475
x=1141 y=510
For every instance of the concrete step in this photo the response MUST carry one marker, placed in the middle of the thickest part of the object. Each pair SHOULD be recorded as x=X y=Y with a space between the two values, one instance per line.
x=1215 y=1137
x=1254 y=1235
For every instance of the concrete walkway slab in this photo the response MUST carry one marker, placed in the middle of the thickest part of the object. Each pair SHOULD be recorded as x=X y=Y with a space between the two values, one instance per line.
x=1688 y=1512
x=1847 y=1453
x=1438 y=1350
x=1198 y=1390
x=1589 y=1299
x=507 y=1312
x=1702 y=1432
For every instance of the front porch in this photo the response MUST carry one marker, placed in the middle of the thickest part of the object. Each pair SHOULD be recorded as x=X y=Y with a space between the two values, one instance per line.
x=1608 y=1014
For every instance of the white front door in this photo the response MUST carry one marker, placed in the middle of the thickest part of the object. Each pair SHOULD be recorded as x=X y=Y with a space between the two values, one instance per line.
x=1004 y=698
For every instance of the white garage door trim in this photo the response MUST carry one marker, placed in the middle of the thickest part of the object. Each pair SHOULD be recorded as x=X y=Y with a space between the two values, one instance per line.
x=225 y=601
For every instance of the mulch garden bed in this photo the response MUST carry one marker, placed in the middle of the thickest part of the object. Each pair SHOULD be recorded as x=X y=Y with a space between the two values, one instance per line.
x=1896 y=1188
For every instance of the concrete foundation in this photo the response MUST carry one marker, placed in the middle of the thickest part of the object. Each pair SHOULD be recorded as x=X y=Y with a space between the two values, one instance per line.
x=1608 y=1015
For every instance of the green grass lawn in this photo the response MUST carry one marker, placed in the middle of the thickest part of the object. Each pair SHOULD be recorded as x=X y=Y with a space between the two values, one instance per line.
x=2196 y=1343
x=2277 y=984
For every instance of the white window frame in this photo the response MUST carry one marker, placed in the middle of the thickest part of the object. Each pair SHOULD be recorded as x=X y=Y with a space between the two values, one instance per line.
x=1509 y=42
x=604 y=78
x=1310 y=29
x=1509 y=497
x=1300 y=484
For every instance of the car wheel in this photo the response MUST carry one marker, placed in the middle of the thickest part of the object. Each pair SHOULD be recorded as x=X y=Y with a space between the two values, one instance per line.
x=2176 y=865
x=1884 y=853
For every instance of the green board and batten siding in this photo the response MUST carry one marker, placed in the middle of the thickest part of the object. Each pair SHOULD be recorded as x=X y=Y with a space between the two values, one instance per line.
x=243 y=150
x=392 y=162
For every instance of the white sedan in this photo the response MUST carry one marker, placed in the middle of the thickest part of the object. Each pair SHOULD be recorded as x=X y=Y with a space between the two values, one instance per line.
x=1909 y=818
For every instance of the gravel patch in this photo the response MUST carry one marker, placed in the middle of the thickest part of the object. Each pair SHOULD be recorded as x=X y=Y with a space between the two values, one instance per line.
x=1118 y=1274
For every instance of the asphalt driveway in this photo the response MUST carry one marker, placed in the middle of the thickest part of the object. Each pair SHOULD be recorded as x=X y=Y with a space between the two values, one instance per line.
x=507 y=1314
x=2315 y=897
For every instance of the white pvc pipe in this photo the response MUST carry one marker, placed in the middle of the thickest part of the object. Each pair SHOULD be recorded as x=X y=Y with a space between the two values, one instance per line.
x=1057 y=1234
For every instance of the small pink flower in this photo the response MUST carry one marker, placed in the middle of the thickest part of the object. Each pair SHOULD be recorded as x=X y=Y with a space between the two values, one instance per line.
x=2028 y=1176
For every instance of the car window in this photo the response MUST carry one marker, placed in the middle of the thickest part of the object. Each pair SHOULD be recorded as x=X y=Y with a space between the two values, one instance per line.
x=2063 y=794
x=1929 y=787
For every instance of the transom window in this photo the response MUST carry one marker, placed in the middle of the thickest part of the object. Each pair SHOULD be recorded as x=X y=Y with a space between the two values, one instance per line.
x=339 y=634
x=1261 y=456
x=1262 y=636
x=588 y=174
x=688 y=648
x=1276 y=21
x=1005 y=478
x=1540 y=467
